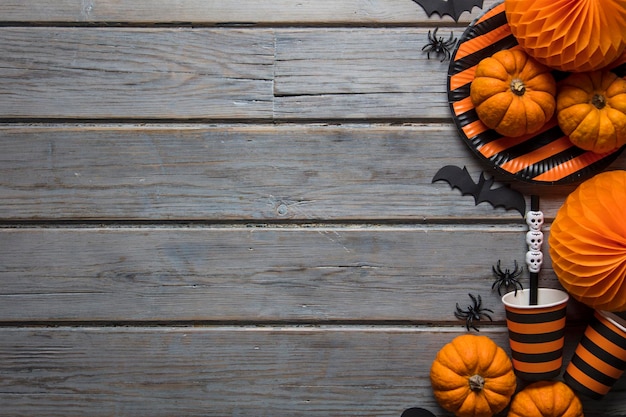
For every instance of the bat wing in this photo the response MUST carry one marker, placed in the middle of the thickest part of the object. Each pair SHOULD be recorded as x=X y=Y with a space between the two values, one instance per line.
x=457 y=178
x=452 y=8
x=502 y=197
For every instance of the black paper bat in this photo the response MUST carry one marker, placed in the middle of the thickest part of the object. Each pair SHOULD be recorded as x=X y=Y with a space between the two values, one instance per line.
x=452 y=8
x=499 y=197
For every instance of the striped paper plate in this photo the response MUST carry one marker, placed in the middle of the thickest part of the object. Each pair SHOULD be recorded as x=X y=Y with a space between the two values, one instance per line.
x=545 y=157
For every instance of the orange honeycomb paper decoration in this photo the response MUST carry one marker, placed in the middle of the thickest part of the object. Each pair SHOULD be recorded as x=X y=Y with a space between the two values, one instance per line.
x=569 y=35
x=588 y=242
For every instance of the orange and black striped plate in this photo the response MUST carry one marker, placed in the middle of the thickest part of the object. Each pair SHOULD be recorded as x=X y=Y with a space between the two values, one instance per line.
x=546 y=157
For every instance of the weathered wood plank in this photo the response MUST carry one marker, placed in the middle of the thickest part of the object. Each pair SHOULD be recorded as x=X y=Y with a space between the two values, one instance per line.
x=225 y=273
x=220 y=12
x=261 y=371
x=366 y=73
x=137 y=73
x=187 y=73
x=351 y=172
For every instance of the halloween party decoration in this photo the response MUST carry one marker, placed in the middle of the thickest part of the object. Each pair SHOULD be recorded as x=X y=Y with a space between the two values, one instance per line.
x=546 y=157
x=534 y=239
x=507 y=278
x=569 y=35
x=588 y=242
x=474 y=312
x=591 y=110
x=452 y=8
x=472 y=377
x=600 y=357
x=502 y=196
x=546 y=399
x=512 y=93
x=536 y=332
x=438 y=45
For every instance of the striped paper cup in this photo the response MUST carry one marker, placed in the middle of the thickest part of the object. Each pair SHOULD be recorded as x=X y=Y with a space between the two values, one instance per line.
x=600 y=357
x=536 y=332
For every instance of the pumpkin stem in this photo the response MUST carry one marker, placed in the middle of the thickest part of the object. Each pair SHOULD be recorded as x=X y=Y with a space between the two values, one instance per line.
x=476 y=382
x=599 y=101
x=517 y=87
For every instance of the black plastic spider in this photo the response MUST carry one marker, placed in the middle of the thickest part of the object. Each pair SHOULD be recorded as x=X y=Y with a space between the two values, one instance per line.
x=438 y=45
x=473 y=312
x=507 y=278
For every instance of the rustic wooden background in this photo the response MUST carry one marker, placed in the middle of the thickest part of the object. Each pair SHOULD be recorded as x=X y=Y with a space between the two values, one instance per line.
x=225 y=208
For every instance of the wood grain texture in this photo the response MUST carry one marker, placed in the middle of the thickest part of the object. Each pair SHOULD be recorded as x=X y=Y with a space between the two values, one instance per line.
x=252 y=274
x=355 y=74
x=135 y=73
x=187 y=73
x=226 y=208
x=225 y=12
x=363 y=172
x=262 y=371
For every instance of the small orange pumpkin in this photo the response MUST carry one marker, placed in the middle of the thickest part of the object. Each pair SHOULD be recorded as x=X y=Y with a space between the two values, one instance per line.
x=591 y=110
x=472 y=377
x=546 y=399
x=512 y=93
x=569 y=35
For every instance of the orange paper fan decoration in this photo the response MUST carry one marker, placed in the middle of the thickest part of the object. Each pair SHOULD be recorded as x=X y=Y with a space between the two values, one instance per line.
x=588 y=242
x=569 y=35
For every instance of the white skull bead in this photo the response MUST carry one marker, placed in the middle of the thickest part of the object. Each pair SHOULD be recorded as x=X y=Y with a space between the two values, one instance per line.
x=534 y=219
x=534 y=259
x=534 y=239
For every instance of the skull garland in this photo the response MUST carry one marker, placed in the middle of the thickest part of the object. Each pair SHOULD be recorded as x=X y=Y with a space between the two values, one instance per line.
x=534 y=219
x=534 y=259
x=534 y=240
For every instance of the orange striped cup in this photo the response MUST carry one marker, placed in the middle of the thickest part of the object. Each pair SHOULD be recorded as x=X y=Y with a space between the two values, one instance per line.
x=536 y=332
x=600 y=357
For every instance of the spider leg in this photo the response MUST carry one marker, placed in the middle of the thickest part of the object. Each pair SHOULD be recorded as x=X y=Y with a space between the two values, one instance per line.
x=497 y=269
x=432 y=37
x=517 y=272
x=471 y=324
x=459 y=314
x=478 y=305
x=499 y=286
x=475 y=301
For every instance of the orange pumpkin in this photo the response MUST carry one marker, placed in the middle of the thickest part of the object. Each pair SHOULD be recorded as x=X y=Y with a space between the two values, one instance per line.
x=591 y=110
x=472 y=377
x=587 y=242
x=512 y=93
x=546 y=399
x=569 y=35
